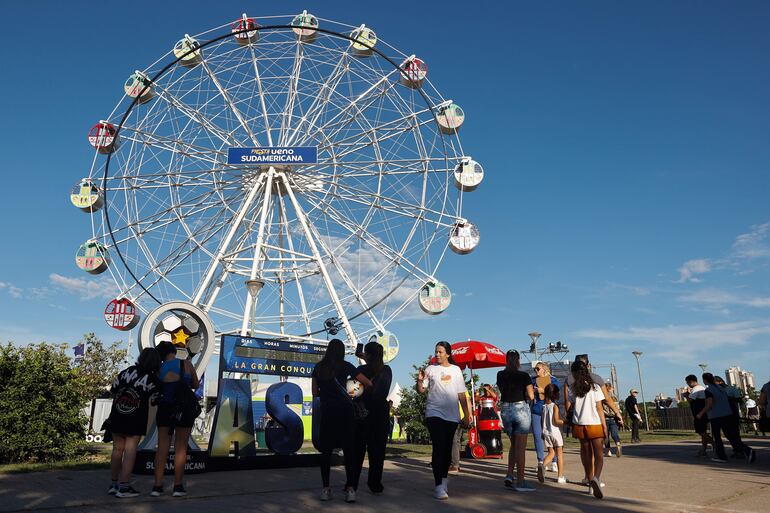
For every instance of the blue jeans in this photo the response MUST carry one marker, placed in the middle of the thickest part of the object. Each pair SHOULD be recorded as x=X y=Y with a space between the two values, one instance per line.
x=612 y=427
x=517 y=418
x=537 y=434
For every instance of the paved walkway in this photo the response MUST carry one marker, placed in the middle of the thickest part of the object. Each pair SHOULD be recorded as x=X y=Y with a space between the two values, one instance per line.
x=659 y=477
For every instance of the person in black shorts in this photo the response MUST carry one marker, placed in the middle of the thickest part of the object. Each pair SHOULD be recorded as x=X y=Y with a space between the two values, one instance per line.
x=696 y=396
x=133 y=390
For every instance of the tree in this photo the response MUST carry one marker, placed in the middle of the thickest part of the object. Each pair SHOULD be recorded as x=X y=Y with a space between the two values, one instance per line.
x=99 y=366
x=40 y=404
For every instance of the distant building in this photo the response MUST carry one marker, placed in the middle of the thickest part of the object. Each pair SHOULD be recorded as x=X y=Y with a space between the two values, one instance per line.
x=680 y=392
x=740 y=379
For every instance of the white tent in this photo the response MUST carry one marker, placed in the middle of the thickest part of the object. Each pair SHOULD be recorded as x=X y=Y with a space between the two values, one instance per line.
x=395 y=395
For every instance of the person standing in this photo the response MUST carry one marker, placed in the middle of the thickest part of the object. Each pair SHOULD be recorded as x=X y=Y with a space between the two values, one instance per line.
x=515 y=391
x=337 y=423
x=722 y=418
x=752 y=414
x=542 y=379
x=173 y=417
x=445 y=386
x=632 y=408
x=696 y=397
x=588 y=424
x=613 y=421
x=133 y=390
x=372 y=432
x=552 y=439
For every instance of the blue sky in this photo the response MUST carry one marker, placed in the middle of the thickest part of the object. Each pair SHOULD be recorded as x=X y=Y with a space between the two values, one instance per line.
x=625 y=204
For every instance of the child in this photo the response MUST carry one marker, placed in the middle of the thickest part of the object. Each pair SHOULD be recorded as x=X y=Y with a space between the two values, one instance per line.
x=551 y=433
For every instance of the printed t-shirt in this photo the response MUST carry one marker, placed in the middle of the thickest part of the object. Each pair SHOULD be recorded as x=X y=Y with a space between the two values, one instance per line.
x=444 y=385
x=585 y=413
x=133 y=391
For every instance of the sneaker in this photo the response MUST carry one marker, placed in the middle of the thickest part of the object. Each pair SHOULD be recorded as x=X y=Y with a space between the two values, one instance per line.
x=454 y=470
x=126 y=492
x=445 y=484
x=585 y=482
x=440 y=493
x=540 y=472
x=179 y=491
x=113 y=489
x=554 y=467
x=157 y=491
x=596 y=488
x=561 y=480
x=326 y=494
x=718 y=460
x=508 y=481
x=752 y=455
x=618 y=451
x=350 y=495
x=524 y=486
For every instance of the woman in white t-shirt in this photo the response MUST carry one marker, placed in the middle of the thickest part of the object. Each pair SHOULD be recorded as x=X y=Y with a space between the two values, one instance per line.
x=445 y=386
x=588 y=424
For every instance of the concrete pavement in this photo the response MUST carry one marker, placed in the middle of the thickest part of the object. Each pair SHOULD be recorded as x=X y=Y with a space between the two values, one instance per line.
x=659 y=477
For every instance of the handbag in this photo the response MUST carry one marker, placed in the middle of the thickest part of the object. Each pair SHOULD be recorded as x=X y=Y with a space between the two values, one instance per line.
x=187 y=403
x=360 y=412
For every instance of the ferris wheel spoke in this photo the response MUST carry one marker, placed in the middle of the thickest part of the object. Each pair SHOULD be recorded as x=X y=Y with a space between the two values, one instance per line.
x=229 y=101
x=297 y=281
x=176 y=146
x=291 y=94
x=317 y=107
x=260 y=89
x=364 y=235
x=194 y=115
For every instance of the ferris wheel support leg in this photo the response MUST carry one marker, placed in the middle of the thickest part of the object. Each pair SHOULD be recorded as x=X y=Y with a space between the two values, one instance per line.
x=352 y=340
x=250 y=301
x=225 y=246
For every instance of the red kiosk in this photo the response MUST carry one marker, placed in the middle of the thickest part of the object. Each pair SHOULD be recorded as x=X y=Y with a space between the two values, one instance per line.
x=485 y=434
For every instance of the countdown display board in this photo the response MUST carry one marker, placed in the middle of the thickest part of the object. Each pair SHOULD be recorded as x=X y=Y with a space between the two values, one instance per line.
x=267 y=356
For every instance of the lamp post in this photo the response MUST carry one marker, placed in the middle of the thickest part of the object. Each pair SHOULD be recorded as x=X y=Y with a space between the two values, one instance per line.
x=534 y=336
x=254 y=287
x=703 y=367
x=637 y=354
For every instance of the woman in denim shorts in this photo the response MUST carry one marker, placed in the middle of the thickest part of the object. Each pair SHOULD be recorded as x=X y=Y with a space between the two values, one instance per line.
x=515 y=392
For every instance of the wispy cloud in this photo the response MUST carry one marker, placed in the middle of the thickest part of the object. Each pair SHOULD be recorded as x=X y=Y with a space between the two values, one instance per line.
x=719 y=298
x=95 y=288
x=753 y=244
x=13 y=291
x=691 y=269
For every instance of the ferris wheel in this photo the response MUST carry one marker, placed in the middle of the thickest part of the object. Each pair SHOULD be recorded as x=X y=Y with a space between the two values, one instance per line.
x=291 y=176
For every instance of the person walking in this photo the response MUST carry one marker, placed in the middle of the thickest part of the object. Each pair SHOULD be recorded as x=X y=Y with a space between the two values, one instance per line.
x=133 y=390
x=723 y=419
x=552 y=439
x=613 y=422
x=175 y=416
x=445 y=386
x=337 y=422
x=542 y=379
x=515 y=391
x=696 y=397
x=588 y=424
x=632 y=408
x=372 y=432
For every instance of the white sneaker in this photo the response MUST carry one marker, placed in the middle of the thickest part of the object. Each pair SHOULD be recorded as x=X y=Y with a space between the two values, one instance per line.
x=445 y=484
x=350 y=495
x=554 y=467
x=326 y=494
x=561 y=480
x=440 y=493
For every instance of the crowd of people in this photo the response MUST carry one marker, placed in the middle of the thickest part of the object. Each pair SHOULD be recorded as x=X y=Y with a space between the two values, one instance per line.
x=584 y=405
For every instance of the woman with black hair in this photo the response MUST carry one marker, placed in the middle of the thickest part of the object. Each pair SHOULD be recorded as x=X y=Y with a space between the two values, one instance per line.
x=372 y=432
x=337 y=423
x=516 y=392
x=588 y=424
x=174 y=416
x=133 y=390
x=445 y=386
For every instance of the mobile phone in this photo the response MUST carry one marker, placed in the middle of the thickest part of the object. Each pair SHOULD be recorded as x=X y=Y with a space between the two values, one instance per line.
x=360 y=350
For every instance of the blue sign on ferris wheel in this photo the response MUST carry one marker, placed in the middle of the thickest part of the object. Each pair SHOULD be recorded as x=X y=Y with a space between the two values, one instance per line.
x=279 y=155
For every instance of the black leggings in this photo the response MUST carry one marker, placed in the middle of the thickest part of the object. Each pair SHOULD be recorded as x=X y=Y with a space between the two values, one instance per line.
x=442 y=433
x=337 y=432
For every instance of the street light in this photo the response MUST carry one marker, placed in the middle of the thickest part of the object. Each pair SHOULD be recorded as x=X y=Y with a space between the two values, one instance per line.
x=641 y=385
x=703 y=367
x=254 y=287
x=534 y=336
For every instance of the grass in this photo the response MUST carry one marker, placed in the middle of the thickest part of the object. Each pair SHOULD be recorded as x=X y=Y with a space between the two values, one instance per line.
x=97 y=457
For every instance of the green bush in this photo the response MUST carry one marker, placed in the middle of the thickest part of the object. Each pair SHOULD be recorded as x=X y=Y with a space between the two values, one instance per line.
x=40 y=405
